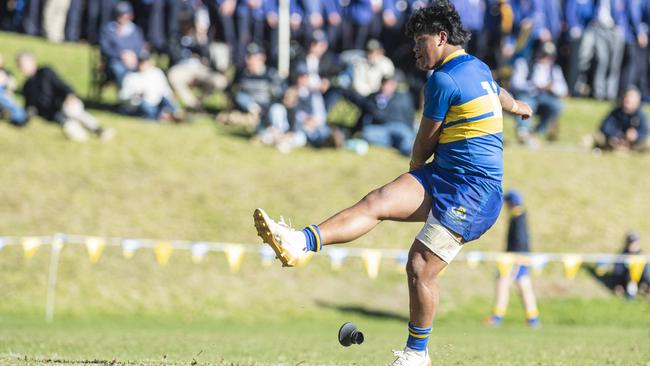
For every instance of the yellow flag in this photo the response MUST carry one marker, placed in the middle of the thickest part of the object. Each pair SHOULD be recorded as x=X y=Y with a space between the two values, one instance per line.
x=637 y=263
x=473 y=259
x=372 y=260
x=30 y=246
x=234 y=255
x=572 y=264
x=162 y=251
x=95 y=248
x=505 y=263
x=199 y=250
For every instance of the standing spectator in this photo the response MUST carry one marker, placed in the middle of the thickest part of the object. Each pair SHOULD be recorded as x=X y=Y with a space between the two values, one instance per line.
x=222 y=20
x=54 y=100
x=55 y=14
x=333 y=13
x=644 y=78
x=578 y=15
x=250 y=26
x=604 y=38
x=472 y=15
x=17 y=115
x=541 y=84
x=121 y=42
x=99 y=14
x=191 y=62
x=636 y=39
x=626 y=127
x=32 y=17
x=528 y=28
x=624 y=284
x=388 y=117
x=358 y=16
x=74 y=20
x=518 y=242
x=147 y=94
x=256 y=86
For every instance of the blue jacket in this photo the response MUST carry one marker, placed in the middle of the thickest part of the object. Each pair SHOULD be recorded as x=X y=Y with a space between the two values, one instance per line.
x=528 y=10
x=472 y=13
x=271 y=6
x=112 y=44
x=632 y=21
x=358 y=12
x=552 y=17
x=579 y=13
x=617 y=122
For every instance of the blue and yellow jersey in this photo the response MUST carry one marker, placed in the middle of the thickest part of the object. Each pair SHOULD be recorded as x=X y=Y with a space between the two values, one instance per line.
x=462 y=94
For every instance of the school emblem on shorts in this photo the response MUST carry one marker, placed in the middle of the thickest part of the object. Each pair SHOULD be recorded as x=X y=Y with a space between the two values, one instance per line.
x=458 y=213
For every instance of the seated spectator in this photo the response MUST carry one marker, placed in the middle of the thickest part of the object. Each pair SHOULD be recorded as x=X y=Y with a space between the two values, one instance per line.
x=541 y=84
x=626 y=127
x=369 y=71
x=300 y=119
x=192 y=66
x=17 y=115
x=624 y=284
x=54 y=100
x=323 y=66
x=147 y=94
x=121 y=42
x=388 y=117
x=256 y=86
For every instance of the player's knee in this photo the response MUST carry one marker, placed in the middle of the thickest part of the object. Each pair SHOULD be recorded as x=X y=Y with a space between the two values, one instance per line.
x=419 y=269
x=373 y=202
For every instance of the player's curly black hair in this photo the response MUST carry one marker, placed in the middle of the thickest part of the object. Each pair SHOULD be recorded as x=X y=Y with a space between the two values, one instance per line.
x=439 y=17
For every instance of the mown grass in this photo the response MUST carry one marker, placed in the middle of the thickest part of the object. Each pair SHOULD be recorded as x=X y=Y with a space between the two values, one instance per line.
x=201 y=182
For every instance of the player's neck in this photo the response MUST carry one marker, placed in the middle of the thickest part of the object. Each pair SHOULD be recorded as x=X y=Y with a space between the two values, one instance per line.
x=449 y=49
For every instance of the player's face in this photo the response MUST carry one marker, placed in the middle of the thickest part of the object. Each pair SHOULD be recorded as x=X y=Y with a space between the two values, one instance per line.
x=428 y=51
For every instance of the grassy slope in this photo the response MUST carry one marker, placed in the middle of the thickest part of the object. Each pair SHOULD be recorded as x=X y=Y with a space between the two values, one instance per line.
x=201 y=182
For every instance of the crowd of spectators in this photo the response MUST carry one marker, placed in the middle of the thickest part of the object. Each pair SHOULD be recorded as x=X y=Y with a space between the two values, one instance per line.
x=355 y=50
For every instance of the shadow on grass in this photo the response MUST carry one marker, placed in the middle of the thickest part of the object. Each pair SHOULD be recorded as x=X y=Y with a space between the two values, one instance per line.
x=364 y=311
x=608 y=279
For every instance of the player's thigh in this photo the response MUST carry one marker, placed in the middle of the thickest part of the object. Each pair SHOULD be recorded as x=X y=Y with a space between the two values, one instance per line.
x=403 y=199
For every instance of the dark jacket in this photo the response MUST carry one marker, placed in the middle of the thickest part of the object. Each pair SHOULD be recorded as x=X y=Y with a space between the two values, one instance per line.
x=112 y=44
x=46 y=92
x=397 y=108
x=618 y=122
x=518 y=233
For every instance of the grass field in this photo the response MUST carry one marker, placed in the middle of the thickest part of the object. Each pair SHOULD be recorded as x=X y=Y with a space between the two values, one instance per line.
x=201 y=182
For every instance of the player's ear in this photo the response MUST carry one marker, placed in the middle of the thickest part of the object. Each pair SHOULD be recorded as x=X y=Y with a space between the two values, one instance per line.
x=443 y=37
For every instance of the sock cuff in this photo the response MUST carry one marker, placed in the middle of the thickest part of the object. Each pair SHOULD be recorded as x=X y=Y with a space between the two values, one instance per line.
x=419 y=330
x=500 y=312
x=318 y=244
x=531 y=314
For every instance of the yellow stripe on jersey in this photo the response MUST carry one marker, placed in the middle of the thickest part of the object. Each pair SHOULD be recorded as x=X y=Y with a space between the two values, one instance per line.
x=488 y=126
x=471 y=109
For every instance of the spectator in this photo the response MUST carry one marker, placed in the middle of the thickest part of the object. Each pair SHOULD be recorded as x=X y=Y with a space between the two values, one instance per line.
x=578 y=15
x=277 y=130
x=604 y=37
x=369 y=71
x=121 y=42
x=32 y=17
x=332 y=12
x=358 y=17
x=192 y=65
x=147 y=94
x=256 y=86
x=55 y=14
x=17 y=115
x=324 y=67
x=624 y=284
x=541 y=84
x=388 y=117
x=636 y=40
x=54 y=100
x=99 y=14
x=518 y=242
x=626 y=127
x=74 y=20
x=472 y=15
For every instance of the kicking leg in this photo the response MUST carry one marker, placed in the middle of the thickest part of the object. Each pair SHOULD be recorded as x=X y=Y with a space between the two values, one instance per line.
x=404 y=199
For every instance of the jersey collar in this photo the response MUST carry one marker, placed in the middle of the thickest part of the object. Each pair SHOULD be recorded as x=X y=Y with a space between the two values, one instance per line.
x=453 y=55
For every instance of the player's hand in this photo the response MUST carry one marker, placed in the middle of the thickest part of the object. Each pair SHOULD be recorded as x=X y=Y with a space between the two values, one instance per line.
x=524 y=111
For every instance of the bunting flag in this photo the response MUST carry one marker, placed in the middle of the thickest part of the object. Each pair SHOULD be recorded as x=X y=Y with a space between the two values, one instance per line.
x=572 y=263
x=129 y=246
x=234 y=255
x=337 y=256
x=636 y=265
x=95 y=248
x=537 y=263
x=199 y=250
x=505 y=263
x=267 y=255
x=473 y=259
x=163 y=251
x=30 y=246
x=372 y=260
x=401 y=261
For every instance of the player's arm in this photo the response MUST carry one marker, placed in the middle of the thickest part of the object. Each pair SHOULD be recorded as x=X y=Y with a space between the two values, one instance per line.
x=425 y=143
x=516 y=107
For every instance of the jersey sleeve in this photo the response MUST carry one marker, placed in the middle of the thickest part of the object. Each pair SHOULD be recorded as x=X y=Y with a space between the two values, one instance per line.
x=440 y=93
